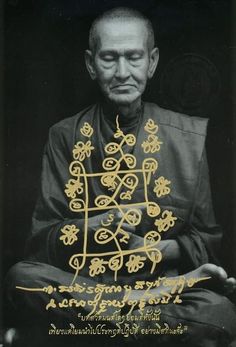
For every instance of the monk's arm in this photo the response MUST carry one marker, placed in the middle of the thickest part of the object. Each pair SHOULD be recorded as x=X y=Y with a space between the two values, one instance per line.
x=198 y=241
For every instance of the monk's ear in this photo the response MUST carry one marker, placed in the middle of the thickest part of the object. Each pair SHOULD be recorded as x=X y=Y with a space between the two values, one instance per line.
x=153 y=61
x=89 y=61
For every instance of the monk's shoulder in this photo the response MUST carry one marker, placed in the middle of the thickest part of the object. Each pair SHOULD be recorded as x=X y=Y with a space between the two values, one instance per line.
x=70 y=124
x=63 y=135
x=176 y=120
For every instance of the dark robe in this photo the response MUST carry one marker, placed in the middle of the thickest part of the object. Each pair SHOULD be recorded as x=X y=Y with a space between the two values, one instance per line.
x=182 y=160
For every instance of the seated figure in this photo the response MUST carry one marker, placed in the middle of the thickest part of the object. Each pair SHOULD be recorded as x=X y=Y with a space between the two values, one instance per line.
x=125 y=198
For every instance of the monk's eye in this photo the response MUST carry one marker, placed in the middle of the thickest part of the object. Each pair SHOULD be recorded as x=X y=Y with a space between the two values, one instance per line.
x=134 y=57
x=108 y=58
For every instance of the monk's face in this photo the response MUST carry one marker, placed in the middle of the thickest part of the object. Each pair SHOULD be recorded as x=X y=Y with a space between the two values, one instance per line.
x=122 y=62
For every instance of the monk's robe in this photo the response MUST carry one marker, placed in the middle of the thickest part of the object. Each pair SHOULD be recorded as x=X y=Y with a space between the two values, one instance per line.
x=210 y=317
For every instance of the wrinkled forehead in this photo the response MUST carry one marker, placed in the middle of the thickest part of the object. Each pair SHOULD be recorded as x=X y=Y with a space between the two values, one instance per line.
x=121 y=33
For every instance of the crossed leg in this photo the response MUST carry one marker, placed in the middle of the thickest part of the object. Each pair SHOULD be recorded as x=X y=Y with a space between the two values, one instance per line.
x=210 y=317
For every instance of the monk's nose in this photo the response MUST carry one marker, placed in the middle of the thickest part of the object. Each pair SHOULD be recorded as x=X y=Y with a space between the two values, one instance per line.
x=122 y=69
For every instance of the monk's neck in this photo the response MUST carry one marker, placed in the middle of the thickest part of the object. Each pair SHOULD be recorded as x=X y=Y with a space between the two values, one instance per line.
x=129 y=110
x=128 y=114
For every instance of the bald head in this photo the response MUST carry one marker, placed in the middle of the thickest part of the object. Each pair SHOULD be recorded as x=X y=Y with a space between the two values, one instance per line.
x=122 y=56
x=121 y=14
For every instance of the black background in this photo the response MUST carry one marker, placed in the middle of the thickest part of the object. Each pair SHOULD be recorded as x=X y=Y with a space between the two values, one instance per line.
x=46 y=81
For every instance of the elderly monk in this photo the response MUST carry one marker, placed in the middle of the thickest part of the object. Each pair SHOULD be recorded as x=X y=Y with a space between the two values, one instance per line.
x=122 y=58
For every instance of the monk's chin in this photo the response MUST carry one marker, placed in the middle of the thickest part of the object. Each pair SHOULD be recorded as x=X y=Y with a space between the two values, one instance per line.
x=123 y=99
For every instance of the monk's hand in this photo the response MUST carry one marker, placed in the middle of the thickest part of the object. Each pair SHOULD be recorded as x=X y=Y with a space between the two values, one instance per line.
x=218 y=278
x=107 y=228
x=230 y=285
x=120 y=223
x=126 y=229
x=126 y=219
x=170 y=250
x=112 y=220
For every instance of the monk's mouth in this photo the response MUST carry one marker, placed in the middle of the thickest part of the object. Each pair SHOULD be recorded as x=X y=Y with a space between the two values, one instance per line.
x=123 y=87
